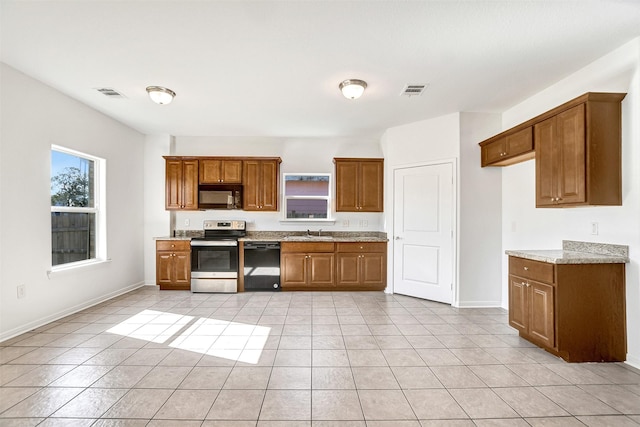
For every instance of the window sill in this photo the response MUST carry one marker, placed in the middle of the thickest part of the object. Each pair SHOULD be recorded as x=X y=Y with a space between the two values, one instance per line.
x=74 y=266
x=309 y=221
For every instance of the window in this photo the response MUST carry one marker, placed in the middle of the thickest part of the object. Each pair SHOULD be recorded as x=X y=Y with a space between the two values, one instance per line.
x=77 y=214
x=307 y=196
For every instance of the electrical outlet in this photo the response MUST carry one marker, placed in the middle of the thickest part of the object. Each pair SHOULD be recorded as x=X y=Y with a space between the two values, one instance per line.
x=21 y=291
x=365 y=223
x=187 y=222
x=345 y=222
x=594 y=228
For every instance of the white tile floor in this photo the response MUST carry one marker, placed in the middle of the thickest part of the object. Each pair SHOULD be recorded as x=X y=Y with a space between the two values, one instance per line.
x=162 y=358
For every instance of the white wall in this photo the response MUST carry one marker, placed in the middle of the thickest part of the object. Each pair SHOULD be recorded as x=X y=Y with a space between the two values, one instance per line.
x=34 y=116
x=299 y=155
x=525 y=227
x=455 y=137
x=479 y=216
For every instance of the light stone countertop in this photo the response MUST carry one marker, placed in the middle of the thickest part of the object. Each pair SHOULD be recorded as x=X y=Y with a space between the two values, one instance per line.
x=295 y=236
x=573 y=252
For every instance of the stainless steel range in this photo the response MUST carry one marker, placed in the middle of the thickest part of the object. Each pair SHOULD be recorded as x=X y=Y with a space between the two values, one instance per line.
x=214 y=257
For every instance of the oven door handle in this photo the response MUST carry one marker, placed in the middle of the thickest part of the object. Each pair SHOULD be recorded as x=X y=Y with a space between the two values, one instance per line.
x=214 y=243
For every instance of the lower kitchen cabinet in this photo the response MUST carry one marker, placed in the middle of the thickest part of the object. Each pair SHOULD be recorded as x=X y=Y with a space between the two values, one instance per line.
x=575 y=311
x=173 y=264
x=325 y=266
x=361 y=266
x=307 y=266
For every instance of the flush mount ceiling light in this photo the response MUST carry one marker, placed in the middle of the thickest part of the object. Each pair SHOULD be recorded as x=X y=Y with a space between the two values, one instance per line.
x=352 y=88
x=160 y=95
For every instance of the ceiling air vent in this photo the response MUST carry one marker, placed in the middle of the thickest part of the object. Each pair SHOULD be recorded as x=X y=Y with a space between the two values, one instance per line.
x=413 y=90
x=110 y=92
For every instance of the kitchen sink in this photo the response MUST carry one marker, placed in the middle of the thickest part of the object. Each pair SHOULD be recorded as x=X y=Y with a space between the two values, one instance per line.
x=308 y=238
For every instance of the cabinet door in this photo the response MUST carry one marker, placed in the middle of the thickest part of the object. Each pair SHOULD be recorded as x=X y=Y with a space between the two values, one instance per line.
x=572 y=159
x=293 y=269
x=370 y=184
x=232 y=171
x=321 y=269
x=190 y=184
x=494 y=152
x=518 y=303
x=251 y=181
x=164 y=268
x=346 y=186
x=269 y=185
x=173 y=185
x=546 y=163
x=373 y=269
x=348 y=270
x=182 y=270
x=519 y=142
x=210 y=171
x=541 y=313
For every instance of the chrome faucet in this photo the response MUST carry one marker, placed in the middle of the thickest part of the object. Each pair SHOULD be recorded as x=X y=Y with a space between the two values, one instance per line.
x=319 y=232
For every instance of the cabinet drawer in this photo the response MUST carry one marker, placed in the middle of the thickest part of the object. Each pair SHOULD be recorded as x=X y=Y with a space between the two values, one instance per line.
x=306 y=247
x=530 y=269
x=173 y=245
x=362 y=247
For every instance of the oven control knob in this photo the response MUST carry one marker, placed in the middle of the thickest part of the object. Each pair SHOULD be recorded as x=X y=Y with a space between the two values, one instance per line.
x=275 y=286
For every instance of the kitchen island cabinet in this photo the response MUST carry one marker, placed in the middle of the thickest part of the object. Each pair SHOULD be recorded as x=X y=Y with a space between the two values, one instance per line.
x=181 y=183
x=173 y=264
x=572 y=306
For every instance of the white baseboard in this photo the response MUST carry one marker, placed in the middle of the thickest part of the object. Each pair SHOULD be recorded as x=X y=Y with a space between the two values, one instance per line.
x=71 y=310
x=477 y=304
x=633 y=361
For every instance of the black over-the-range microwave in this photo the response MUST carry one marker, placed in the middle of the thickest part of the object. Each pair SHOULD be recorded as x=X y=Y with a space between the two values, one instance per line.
x=220 y=196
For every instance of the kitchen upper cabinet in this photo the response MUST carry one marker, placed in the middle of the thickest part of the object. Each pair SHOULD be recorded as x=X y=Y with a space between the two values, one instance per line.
x=173 y=264
x=260 y=180
x=578 y=154
x=359 y=185
x=361 y=266
x=220 y=171
x=574 y=311
x=181 y=184
x=307 y=266
x=507 y=149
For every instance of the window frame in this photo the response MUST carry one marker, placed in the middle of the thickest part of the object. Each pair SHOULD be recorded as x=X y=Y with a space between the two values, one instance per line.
x=328 y=198
x=98 y=209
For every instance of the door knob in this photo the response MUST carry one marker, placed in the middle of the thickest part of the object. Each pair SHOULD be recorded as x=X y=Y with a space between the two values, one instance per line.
x=398 y=238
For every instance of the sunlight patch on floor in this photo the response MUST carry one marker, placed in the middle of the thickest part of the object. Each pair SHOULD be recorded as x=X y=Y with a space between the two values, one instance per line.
x=214 y=337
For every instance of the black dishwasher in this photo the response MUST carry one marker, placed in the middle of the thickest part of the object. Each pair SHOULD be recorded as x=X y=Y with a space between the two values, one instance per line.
x=261 y=266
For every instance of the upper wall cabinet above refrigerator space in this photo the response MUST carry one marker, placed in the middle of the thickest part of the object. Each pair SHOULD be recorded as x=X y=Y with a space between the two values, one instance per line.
x=577 y=147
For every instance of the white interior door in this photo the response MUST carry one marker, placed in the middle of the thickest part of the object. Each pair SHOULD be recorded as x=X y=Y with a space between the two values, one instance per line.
x=423 y=232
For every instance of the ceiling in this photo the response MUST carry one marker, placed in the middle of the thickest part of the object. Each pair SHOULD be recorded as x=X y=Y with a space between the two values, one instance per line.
x=272 y=68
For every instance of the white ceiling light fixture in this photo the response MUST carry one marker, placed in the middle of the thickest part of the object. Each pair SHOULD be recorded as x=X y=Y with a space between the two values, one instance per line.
x=160 y=95
x=353 y=88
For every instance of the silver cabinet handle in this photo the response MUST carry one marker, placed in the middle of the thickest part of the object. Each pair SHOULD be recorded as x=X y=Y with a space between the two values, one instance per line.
x=398 y=238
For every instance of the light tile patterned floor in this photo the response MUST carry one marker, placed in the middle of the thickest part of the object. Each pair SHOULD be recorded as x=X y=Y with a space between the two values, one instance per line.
x=162 y=358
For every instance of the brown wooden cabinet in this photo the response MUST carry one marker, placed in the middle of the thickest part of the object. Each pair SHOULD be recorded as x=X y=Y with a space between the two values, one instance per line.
x=181 y=184
x=575 y=311
x=359 y=185
x=578 y=154
x=361 y=265
x=173 y=264
x=508 y=148
x=220 y=171
x=307 y=266
x=260 y=180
